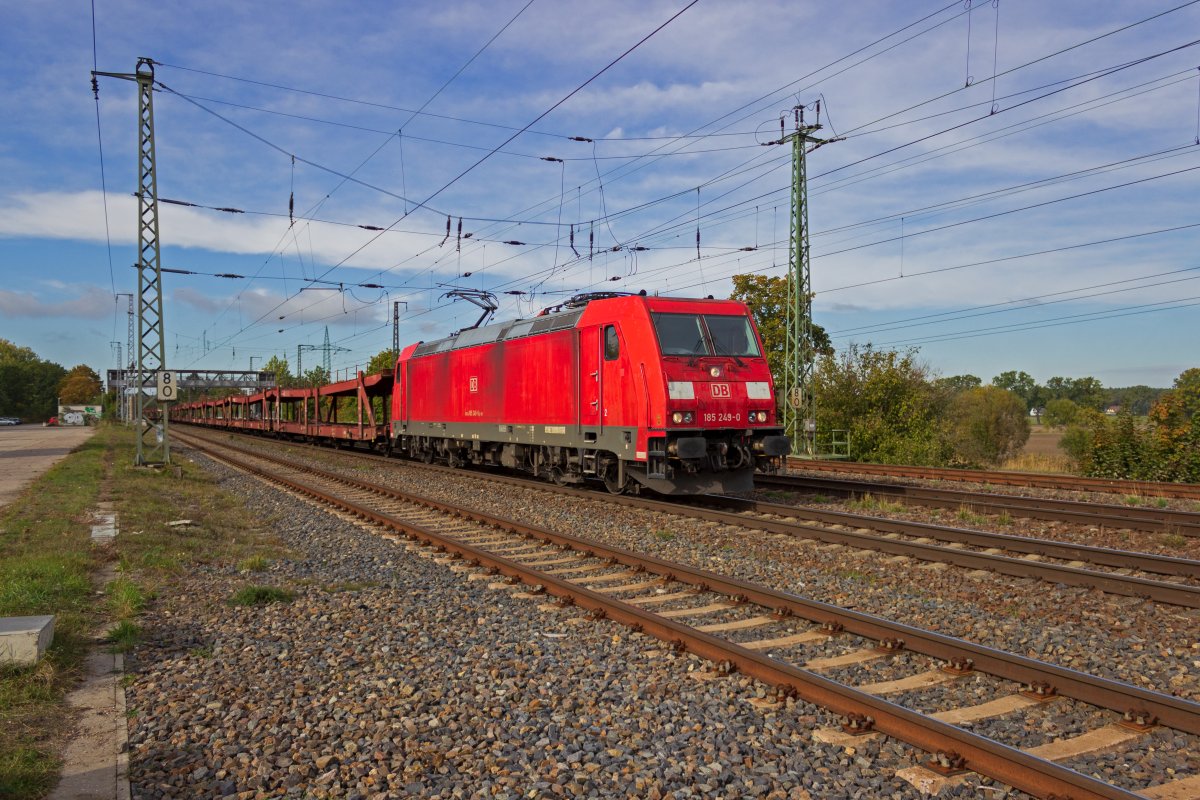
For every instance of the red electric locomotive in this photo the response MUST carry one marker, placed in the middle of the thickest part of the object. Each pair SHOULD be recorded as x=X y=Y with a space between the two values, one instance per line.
x=634 y=391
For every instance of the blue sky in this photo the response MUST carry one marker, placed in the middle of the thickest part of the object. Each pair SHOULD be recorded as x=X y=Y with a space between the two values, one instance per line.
x=1038 y=221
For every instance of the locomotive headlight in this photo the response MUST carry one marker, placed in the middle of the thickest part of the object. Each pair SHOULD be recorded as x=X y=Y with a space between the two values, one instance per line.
x=714 y=371
x=682 y=417
x=677 y=417
x=758 y=416
x=687 y=416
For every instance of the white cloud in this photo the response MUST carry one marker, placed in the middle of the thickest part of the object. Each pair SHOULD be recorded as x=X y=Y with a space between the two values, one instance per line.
x=91 y=303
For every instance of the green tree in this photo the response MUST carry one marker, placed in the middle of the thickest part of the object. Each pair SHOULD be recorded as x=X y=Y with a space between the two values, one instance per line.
x=317 y=376
x=283 y=373
x=1137 y=400
x=1023 y=385
x=887 y=402
x=1085 y=392
x=28 y=384
x=987 y=425
x=1187 y=386
x=959 y=383
x=767 y=299
x=383 y=361
x=1061 y=411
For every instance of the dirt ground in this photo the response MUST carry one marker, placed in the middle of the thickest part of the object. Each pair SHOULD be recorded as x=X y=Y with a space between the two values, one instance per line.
x=1043 y=442
x=26 y=451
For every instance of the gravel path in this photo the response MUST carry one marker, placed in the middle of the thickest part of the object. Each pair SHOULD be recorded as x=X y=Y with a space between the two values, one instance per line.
x=468 y=692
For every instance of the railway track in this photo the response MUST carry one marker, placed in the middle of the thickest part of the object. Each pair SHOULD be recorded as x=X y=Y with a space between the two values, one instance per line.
x=1167 y=520
x=1025 y=558
x=743 y=627
x=1042 y=481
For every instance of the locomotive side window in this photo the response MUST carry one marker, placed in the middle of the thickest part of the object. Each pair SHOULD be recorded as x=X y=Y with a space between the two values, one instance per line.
x=612 y=345
x=680 y=334
x=731 y=336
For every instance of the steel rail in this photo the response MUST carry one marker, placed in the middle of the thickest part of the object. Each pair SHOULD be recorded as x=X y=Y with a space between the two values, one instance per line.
x=1072 y=483
x=1068 y=551
x=1008 y=765
x=1124 y=585
x=1174 y=712
x=1146 y=519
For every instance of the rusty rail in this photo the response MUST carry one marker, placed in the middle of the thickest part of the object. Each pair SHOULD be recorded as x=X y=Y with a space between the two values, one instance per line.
x=1004 y=478
x=1105 y=514
x=1174 y=712
x=987 y=757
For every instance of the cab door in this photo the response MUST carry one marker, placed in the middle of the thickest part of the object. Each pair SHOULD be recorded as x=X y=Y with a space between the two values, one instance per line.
x=589 y=345
x=614 y=361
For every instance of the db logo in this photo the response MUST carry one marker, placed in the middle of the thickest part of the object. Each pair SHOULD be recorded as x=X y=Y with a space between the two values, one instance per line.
x=721 y=390
x=474 y=384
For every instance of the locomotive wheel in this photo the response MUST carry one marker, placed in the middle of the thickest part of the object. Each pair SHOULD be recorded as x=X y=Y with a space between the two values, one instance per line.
x=611 y=483
x=556 y=475
x=427 y=456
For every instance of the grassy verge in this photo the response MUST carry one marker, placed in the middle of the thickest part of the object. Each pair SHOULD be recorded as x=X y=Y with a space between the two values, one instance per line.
x=46 y=561
x=48 y=566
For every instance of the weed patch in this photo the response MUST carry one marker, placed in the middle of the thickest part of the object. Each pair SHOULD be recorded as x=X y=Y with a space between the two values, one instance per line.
x=261 y=596
x=123 y=636
x=255 y=563
x=1174 y=540
x=125 y=598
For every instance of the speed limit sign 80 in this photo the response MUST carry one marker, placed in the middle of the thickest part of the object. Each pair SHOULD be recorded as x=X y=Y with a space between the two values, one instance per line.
x=167 y=385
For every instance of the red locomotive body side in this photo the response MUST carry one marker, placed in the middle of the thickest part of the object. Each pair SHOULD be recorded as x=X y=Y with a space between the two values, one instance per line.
x=633 y=391
x=593 y=392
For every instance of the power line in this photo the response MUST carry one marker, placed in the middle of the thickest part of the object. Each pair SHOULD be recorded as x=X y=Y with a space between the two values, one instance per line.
x=1054 y=322
x=1014 y=305
x=100 y=143
x=541 y=116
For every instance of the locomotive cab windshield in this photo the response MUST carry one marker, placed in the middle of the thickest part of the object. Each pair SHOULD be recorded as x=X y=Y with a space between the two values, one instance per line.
x=696 y=335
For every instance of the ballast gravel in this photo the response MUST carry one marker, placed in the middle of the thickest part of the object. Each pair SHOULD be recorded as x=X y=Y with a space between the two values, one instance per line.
x=391 y=676
x=517 y=702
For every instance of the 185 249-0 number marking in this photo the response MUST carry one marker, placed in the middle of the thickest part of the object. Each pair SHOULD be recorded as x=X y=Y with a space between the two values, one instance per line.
x=722 y=416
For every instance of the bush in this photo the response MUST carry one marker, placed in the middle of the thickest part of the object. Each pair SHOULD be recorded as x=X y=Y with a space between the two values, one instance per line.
x=887 y=401
x=987 y=425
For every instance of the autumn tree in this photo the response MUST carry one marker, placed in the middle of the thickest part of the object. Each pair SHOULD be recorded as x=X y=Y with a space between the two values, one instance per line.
x=767 y=300
x=80 y=385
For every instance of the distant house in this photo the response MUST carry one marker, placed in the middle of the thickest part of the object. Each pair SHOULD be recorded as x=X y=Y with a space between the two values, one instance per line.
x=1037 y=411
x=1113 y=410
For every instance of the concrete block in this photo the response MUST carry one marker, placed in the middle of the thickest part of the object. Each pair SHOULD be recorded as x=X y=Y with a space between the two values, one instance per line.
x=23 y=640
